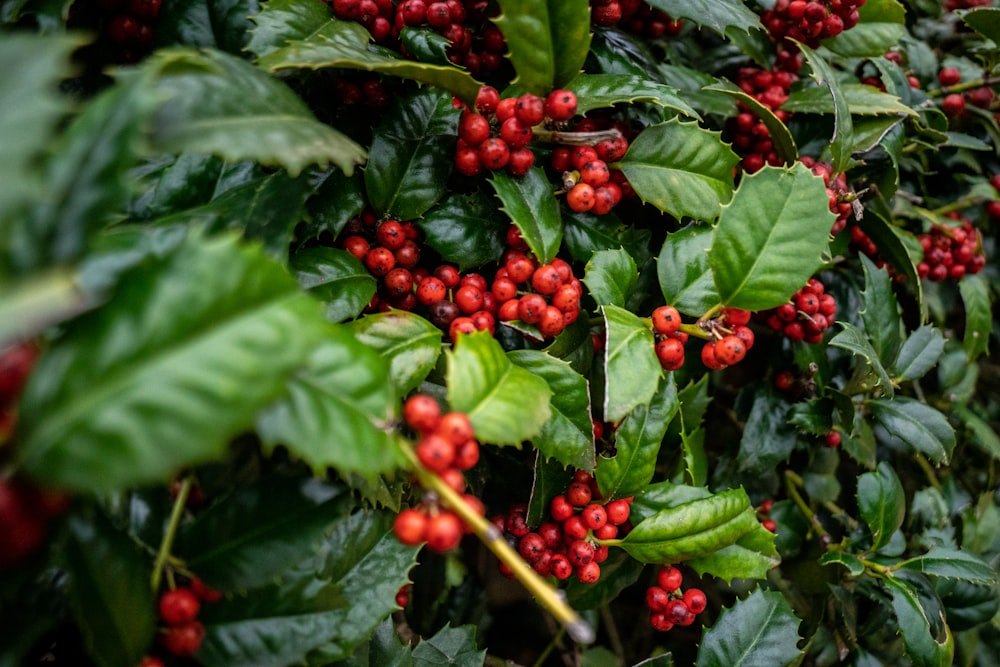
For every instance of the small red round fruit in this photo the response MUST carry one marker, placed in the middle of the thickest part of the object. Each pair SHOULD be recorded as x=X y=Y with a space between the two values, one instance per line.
x=487 y=99
x=560 y=508
x=618 y=511
x=204 y=592
x=560 y=567
x=552 y=322
x=546 y=279
x=444 y=531
x=150 y=661
x=695 y=600
x=658 y=620
x=403 y=595
x=656 y=598
x=466 y=454
x=608 y=531
x=184 y=640
x=949 y=76
x=435 y=452
x=380 y=261
x=521 y=161
x=953 y=105
x=391 y=235
x=469 y=299
x=516 y=133
x=530 y=109
x=531 y=308
x=531 y=547
x=456 y=428
x=431 y=290
x=710 y=359
x=574 y=528
x=520 y=268
x=560 y=105
x=473 y=128
x=581 y=155
x=669 y=578
x=670 y=352
x=770 y=524
x=595 y=173
x=580 y=198
x=745 y=334
x=594 y=516
x=461 y=325
x=579 y=494
x=422 y=413
x=589 y=573
x=832 y=439
x=737 y=316
x=730 y=350
x=666 y=320
x=494 y=153
x=179 y=606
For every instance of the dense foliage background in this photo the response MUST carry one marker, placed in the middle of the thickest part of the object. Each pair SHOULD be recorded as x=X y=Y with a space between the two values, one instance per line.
x=206 y=351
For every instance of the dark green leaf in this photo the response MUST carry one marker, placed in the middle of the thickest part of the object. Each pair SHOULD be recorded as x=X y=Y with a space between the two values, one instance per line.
x=506 y=403
x=336 y=278
x=883 y=324
x=760 y=631
x=695 y=457
x=338 y=199
x=110 y=405
x=407 y=341
x=411 y=155
x=853 y=564
x=631 y=370
x=206 y=24
x=952 y=564
x=386 y=649
x=344 y=44
x=114 y=613
x=620 y=52
x=915 y=425
x=216 y=103
x=531 y=205
x=853 y=340
x=336 y=411
x=882 y=503
x=426 y=45
x=685 y=276
x=984 y=20
x=611 y=277
x=600 y=91
x=861 y=99
x=547 y=42
x=882 y=24
x=978 y=321
x=982 y=434
x=568 y=435
x=919 y=353
x=258 y=532
x=586 y=233
x=927 y=639
x=618 y=572
x=681 y=169
x=767 y=438
x=781 y=137
x=466 y=229
x=718 y=15
x=693 y=83
x=281 y=21
x=892 y=245
x=842 y=140
x=637 y=443
x=449 y=646
x=770 y=238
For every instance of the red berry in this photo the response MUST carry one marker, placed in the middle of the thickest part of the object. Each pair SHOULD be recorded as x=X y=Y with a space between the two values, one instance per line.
x=832 y=439
x=179 y=606
x=435 y=453
x=560 y=508
x=949 y=76
x=456 y=428
x=594 y=516
x=205 y=593
x=494 y=153
x=380 y=261
x=560 y=567
x=666 y=320
x=669 y=578
x=595 y=173
x=410 y=527
x=552 y=322
x=473 y=128
x=560 y=105
x=530 y=109
x=184 y=640
x=579 y=494
x=531 y=308
x=589 y=573
x=515 y=132
x=730 y=350
x=150 y=661
x=617 y=511
x=546 y=279
x=656 y=598
x=670 y=352
x=953 y=105
x=431 y=290
x=531 y=547
x=487 y=99
x=580 y=198
x=521 y=161
x=710 y=359
x=422 y=413
x=574 y=528
x=444 y=531
x=695 y=600
x=469 y=299
x=770 y=524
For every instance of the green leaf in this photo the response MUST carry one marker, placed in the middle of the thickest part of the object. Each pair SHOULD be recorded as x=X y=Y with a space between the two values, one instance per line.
x=217 y=103
x=919 y=353
x=407 y=341
x=862 y=100
x=882 y=503
x=568 y=435
x=686 y=279
x=426 y=45
x=336 y=411
x=506 y=403
x=695 y=456
x=952 y=564
x=31 y=67
x=533 y=208
x=547 y=42
x=260 y=531
x=602 y=91
x=718 y=15
x=618 y=572
x=206 y=24
x=781 y=137
x=854 y=565
x=631 y=370
x=842 y=140
x=611 y=276
x=751 y=557
x=767 y=438
x=857 y=343
x=920 y=618
x=449 y=646
x=770 y=238
x=109 y=405
x=692 y=529
x=336 y=278
x=883 y=323
x=114 y=613
x=681 y=169
x=637 y=443
x=892 y=245
x=982 y=434
x=281 y=21
x=338 y=199
x=978 y=320
x=760 y=631
x=344 y=45
x=882 y=24
x=466 y=229
x=984 y=20
x=915 y=425
x=411 y=155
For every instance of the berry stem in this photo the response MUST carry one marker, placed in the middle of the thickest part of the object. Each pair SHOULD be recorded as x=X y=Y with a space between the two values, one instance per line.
x=964 y=86
x=550 y=598
x=168 y=537
x=792 y=484
x=576 y=138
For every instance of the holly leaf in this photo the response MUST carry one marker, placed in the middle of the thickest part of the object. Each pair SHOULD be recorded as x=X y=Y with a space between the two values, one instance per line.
x=611 y=276
x=568 y=434
x=409 y=343
x=618 y=572
x=685 y=276
x=602 y=91
x=862 y=100
x=681 y=169
x=337 y=199
x=892 y=245
x=336 y=278
x=205 y=24
x=759 y=630
x=770 y=237
x=853 y=340
x=720 y=16
x=637 y=443
x=920 y=618
x=506 y=403
x=751 y=557
x=449 y=646
x=842 y=140
x=883 y=323
x=466 y=229
x=410 y=157
x=920 y=353
x=906 y=421
x=854 y=565
x=975 y=293
x=631 y=370
x=336 y=411
x=781 y=137
x=952 y=564
x=114 y=614
x=547 y=42
x=984 y=20
x=280 y=21
x=882 y=23
x=176 y=325
x=532 y=207
x=767 y=437
x=882 y=503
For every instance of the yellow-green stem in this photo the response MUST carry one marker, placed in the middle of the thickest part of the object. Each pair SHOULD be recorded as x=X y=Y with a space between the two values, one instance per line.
x=793 y=482
x=168 y=537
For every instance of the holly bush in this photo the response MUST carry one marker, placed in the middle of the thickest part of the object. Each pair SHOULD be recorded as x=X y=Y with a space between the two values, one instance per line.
x=375 y=332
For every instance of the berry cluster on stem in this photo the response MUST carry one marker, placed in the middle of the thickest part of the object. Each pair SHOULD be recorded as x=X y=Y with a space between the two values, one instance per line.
x=810 y=22
x=670 y=606
x=807 y=315
x=182 y=633
x=727 y=337
x=751 y=138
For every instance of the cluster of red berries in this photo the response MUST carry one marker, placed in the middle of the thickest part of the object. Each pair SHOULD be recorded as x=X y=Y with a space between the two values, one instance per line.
x=728 y=338
x=763 y=513
x=568 y=544
x=951 y=252
x=545 y=296
x=496 y=134
x=130 y=26
x=836 y=190
x=952 y=5
x=390 y=252
x=447 y=447
x=810 y=21
x=669 y=605
x=635 y=16
x=183 y=632
x=353 y=89
x=953 y=105
x=750 y=136
x=807 y=315
x=589 y=183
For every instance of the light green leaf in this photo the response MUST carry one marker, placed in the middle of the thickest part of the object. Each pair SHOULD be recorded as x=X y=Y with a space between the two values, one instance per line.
x=533 y=208
x=978 y=320
x=631 y=370
x=281 y=21
x=547 y=41
x=781 y=137
x=882 y=503
x=611 y=277
x=920 y=618
x=686 y=279
x=882 y=24
x=450 y=646
x=883 y=323
x=952 y=564
x=720 y=16
x=919 y=353
x=601 y=91
x=984 y=20
x=842 y=140
x=853 y=340
x=862 y=100
x=337 y=278
x=407 y=341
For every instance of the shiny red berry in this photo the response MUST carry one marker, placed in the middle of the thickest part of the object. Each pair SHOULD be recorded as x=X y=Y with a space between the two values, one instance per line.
x=179 y=606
